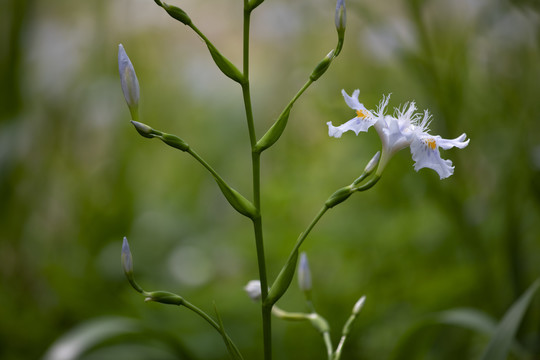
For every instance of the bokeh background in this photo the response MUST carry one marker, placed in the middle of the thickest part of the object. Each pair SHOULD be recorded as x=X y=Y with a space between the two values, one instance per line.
x=75 y=177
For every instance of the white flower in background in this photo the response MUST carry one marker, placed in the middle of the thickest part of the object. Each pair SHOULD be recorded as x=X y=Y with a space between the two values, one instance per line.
x=406 y=129
x=253 y=289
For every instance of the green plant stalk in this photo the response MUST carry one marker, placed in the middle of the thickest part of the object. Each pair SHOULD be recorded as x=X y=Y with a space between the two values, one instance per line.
x=328 y=344
x=205 y=164
x=208 y=319
x=325 y=208
x=256 y=169
x=306 y=232
x=298 y=94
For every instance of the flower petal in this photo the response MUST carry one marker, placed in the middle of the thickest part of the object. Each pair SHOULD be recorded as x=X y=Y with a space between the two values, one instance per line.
x=357 y=125
x=458 y=142
x=352 y=101
x=425 y=153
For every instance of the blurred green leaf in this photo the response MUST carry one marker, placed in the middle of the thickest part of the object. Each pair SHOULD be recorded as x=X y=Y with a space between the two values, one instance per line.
x=76 y=342
x=499 y=345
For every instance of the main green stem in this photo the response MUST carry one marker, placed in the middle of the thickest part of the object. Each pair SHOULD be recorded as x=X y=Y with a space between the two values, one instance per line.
x=256 y=168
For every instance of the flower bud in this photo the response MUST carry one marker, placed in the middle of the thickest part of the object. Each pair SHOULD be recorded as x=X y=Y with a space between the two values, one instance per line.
x=341 y=16
x=175 y=142
x=304 y=274
x=359 y=305
x=341 y=22
x=372 y=164
x=339 y=196
x=129 y=82
x=127 y=260
x=143 y=129
x=127 y=265
x=322 y=66
x=176 y=13
x=164 y=297
x=253 y=289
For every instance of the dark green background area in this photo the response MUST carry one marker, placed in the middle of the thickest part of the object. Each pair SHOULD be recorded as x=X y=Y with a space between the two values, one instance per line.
x=75 y=177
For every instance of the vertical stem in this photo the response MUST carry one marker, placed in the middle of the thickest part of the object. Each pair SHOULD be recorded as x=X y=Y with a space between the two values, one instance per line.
x=256 y=167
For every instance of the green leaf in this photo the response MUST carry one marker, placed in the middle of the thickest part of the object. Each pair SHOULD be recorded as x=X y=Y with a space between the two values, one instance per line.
x=231 y=348
x=224 y=64
x=283 y=280
x=88 y=335
x=501 y=341
x=274 y=133
x=238 y=202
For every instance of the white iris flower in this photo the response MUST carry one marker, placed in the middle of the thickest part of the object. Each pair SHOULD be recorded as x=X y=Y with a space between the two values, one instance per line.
x=406 y=128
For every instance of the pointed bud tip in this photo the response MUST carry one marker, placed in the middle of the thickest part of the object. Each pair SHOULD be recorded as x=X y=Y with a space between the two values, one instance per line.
x=372 y=164
x=359 y=305
x=127 y=261
x=125 y=247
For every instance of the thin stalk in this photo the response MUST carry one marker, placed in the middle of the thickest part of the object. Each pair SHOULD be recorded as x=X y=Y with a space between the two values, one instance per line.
x=328 y=344
x=340 y=347
x=208 y=319
x=205 y=164
x=299 y=93
x=314 y=222
x=256 y=169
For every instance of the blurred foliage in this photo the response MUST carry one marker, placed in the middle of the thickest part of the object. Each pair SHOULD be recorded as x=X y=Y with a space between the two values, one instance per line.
x=75 y=177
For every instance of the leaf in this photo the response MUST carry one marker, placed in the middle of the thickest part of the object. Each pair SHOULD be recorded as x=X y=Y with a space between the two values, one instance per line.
x=500 y=343
x=274 y=133
x=86 y=336
x=231 y=347
x=466 y=318
x=225 y=65
x=283 y=280
x=237 y=201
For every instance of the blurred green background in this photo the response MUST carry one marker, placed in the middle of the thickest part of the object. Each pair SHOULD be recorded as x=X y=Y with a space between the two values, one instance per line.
x=75 y=177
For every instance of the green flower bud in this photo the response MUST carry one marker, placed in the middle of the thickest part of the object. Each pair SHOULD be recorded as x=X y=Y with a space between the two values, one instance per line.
x=127 y=265
x=176 y=13
x=164 y=297
x=237 y=201
x=174 y=141
x=322 y=66
x=339 y=196
x=129 y=82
